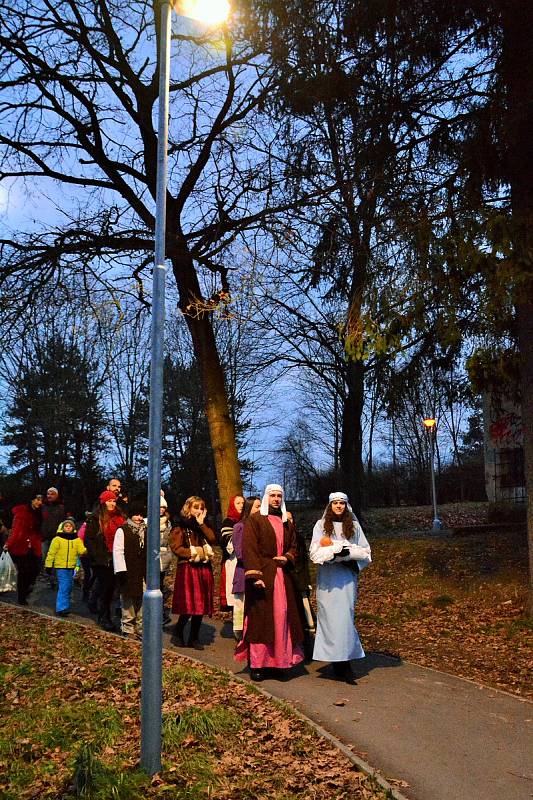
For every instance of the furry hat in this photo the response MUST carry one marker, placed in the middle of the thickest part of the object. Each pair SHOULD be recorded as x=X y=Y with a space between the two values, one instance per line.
x=136 y=507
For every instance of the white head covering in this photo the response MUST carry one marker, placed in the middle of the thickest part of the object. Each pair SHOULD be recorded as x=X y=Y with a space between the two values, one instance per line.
x=339 y=496
x=273 y=487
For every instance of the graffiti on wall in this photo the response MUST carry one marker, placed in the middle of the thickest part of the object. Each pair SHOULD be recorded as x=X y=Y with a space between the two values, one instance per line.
x=506 y=431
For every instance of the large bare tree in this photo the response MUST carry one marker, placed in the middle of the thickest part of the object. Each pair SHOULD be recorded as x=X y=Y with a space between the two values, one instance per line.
x=78 y=87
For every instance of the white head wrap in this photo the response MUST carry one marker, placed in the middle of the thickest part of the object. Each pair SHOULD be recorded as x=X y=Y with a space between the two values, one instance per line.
x=339 y=496
x=273 y=487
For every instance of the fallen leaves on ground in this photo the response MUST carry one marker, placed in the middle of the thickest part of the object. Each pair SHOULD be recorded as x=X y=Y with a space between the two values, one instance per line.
x=455 y=604
x=68 y=687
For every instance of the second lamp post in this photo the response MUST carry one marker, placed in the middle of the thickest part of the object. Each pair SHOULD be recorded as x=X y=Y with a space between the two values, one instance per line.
x=430 y=424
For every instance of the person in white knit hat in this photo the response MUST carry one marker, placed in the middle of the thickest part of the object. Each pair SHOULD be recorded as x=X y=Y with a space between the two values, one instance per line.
x=341 y=550
x=273 y=631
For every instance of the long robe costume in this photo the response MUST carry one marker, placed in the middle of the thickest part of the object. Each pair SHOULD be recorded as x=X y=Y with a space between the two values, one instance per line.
x=273 y=631
x=194 y=584
x=336 y=590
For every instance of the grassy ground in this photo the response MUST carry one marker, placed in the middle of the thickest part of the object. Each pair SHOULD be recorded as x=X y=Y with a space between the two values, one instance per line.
x=69 y=696
x=457 y=605
x=69 y=706
x=453 y=603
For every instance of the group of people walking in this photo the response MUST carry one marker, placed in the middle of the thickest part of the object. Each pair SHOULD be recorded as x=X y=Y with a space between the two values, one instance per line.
x=260 y=565
x=264 y=572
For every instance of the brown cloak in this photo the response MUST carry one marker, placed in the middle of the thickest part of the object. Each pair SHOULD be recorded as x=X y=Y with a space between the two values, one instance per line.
x=259 y=549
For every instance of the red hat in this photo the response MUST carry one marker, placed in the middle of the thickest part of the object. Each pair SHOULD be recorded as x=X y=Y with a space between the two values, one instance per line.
x=107 y=495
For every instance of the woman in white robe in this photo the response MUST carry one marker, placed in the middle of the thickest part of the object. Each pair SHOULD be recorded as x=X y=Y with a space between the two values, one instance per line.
x=341 y=550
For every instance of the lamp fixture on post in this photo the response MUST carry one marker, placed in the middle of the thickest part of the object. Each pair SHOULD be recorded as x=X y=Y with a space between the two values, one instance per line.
x=430 y=424
x=211 y=12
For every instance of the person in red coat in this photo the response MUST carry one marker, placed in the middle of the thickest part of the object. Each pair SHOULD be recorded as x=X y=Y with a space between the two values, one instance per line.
x=24 y=545
x=100 y=530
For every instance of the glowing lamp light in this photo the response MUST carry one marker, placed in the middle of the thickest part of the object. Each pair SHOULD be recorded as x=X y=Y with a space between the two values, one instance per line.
x=429 y=423
x=210 y=12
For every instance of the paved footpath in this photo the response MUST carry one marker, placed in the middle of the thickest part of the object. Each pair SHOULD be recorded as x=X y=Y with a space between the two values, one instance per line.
x=434 y=736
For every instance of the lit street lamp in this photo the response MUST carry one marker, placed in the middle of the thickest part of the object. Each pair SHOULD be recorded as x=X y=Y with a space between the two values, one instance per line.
x=211 y=12
x=430 y=424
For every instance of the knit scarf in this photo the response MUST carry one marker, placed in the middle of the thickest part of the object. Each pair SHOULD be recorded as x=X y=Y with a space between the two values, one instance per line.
x=137 y=527
x=115 y=521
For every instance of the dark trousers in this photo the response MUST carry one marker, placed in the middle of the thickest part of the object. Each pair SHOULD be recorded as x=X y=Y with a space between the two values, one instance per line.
x=88 y=576
x=196 y=621
x=105 y=589
x=28 y=568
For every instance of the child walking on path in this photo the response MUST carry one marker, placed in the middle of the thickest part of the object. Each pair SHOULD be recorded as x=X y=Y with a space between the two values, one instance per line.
x=62 y=556
x=129 y=562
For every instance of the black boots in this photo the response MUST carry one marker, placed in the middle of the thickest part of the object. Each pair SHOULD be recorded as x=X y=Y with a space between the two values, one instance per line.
x=194 y=641
x=343 y=672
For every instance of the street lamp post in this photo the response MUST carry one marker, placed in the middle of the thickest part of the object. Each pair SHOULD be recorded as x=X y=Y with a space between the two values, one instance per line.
x=152 y=651
x=209 y=12
x=430 y=424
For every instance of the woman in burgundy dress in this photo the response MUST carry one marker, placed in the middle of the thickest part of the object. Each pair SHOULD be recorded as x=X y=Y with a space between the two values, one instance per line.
x=191 y=541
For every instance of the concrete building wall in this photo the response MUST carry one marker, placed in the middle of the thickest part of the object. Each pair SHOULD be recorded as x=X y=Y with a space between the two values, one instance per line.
x=503 y=444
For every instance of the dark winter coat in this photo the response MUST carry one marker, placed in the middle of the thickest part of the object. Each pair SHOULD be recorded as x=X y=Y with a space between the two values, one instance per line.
x=302 y=575
x=95 y=542
x=134 y=560
x=259 y=549
x=52 y=515
x=25 y=534
x=226 y=534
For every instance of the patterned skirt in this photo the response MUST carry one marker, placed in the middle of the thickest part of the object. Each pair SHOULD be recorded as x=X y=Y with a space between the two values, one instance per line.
x=193 y=589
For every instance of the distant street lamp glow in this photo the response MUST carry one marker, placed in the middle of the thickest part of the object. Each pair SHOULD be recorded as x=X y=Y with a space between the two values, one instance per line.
x=212 y=12
x=430 y=422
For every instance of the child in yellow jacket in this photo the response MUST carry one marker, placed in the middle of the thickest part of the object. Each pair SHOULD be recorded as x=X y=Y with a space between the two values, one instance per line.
x=62 y=556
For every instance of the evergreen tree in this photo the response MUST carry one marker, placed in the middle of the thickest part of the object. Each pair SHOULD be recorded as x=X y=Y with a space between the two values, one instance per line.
x=56 y=415
x=187 y=456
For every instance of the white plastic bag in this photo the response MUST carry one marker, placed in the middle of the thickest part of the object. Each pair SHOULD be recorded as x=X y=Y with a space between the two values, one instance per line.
x=8 y=573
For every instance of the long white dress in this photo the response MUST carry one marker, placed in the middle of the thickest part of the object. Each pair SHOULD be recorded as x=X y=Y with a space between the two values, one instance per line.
x=336 y=592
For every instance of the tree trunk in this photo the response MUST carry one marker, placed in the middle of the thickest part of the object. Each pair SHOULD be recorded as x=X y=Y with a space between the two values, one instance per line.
x=351 y=461
x=525 y=337
x=221 y=431
x=517 y=58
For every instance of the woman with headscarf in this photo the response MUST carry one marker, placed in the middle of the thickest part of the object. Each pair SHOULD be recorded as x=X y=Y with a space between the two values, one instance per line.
x=273 y=632
x=100 y=530
x=341 y=550
x=251 y=506
x=228 y=602
x=191 y=541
